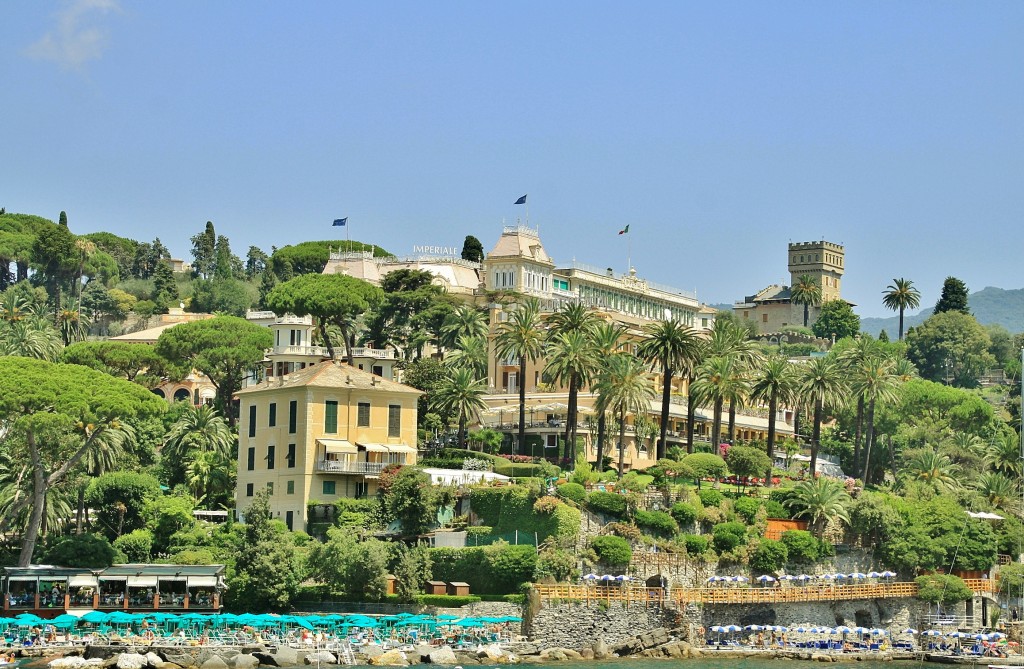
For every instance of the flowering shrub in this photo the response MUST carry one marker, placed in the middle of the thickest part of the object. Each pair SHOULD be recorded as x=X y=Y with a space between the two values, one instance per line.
x=525 y=459
x=476 y=465
x=546 y=504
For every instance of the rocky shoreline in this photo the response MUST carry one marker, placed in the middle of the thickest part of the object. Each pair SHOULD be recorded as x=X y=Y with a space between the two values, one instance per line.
x=664 y=643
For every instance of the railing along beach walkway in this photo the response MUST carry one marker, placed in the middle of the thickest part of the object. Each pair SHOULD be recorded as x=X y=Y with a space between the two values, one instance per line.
x=633 y=594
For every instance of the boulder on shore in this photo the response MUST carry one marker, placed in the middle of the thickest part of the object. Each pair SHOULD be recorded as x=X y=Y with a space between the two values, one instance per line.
x=321 y=657
x=131 y=661
x=390 y=658
x=70 y=662
x=443 y=655
x=214 y=662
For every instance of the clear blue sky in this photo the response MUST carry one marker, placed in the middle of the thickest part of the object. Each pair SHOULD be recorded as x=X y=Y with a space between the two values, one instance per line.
x=718 y=131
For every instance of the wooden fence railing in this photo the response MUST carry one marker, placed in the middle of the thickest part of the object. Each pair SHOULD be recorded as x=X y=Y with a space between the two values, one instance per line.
x=629 y=593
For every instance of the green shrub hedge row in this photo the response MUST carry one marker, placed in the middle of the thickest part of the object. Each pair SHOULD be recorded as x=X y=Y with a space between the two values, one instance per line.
x=497 y=570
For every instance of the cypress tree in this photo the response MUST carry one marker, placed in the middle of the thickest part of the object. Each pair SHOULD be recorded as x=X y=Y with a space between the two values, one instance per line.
x=953 y=297
x=472 y=249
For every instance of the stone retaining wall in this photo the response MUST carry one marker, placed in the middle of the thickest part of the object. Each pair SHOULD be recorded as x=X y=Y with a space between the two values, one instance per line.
x=569 y=625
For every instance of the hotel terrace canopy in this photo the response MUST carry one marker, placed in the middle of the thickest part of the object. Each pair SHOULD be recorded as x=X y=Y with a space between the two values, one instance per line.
x=49 y=590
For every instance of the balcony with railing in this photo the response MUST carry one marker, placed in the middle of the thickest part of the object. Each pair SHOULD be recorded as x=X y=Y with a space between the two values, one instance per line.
x=349 y=467
x=302 y=349
x=376 y=353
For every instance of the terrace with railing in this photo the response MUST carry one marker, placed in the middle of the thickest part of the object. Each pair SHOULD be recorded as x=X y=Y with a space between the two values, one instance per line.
x=631 y=593
x=348 y=467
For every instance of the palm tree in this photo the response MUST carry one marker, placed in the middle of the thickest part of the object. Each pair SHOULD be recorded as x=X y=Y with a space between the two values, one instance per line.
x=776 y=383
x=807 y=292
x=573 y=317
x=718 y=380
x=462 y=394
x=30 y=338
x=863 y=349
x=606 y=338
x=469 y=353
x=572 y=361
x=875 y=382
x=198 y=429
x=1003 y=454
x=463 y=321
x=103 y=457
x=819 y=500
x=821 y=385
x=623 y=387
x=935 y=470
x=520 y=337
x=207 y=473
x=729 y=339
x=671 y=346
x=1000 y=491
x=899 y=296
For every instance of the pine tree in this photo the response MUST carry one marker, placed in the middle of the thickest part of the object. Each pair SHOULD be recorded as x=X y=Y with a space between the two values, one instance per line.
x=204 y=250
x=267 y=282
x=953 y=297
x=165 y=287
x=222 y=267
x=472 y=249
x=63 y=220
x=267 y=568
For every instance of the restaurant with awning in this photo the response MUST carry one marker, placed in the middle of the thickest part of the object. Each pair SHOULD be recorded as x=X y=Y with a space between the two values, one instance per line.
x=54 y=590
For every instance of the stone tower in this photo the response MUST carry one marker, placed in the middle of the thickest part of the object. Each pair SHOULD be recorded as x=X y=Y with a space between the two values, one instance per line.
x=822 y=260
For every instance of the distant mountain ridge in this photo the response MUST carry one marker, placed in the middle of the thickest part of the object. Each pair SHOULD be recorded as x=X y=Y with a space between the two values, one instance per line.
x=990 y=306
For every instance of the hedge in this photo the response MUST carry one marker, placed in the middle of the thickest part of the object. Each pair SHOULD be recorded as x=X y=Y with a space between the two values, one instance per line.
x=572 y=491
x=510 y=509
x=728 y=536
x=498 y=570
x=514 y=469
x=710 y=497
x=685 y=514
x=658 y=522
x=448 y=601
x=607 y=502
x=612 y=550
x=747 y=507
x=696 y=544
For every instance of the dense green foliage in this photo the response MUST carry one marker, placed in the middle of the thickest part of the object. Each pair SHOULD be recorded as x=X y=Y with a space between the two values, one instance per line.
x=497 y=569
x=573 y=492
x=769 y=556
x=612 y=551
x=727 y=536
x=607 y=503
x=510 y=509
x=942 y=589
x=684 y=514
x=657 y=523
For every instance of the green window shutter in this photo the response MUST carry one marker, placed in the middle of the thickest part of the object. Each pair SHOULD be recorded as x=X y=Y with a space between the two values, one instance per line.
x=331 y=417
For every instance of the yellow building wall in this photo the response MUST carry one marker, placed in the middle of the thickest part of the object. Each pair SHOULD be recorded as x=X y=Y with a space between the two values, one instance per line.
x=307 y=483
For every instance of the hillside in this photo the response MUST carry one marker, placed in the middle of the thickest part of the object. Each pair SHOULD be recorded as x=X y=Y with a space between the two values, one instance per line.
x=990 y=306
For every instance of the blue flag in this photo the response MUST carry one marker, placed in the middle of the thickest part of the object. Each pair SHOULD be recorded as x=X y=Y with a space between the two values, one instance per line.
x=521 y=200
x=341 y=221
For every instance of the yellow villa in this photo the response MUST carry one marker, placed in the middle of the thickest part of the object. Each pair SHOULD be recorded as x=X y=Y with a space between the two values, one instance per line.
x=322 y=433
